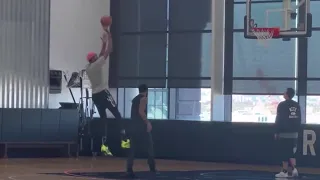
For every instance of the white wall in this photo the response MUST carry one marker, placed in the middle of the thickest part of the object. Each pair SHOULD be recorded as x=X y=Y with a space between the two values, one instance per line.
x=74 y=31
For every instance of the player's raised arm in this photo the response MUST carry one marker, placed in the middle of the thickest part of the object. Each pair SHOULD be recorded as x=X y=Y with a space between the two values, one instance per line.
x=108 y=48
x=103 y=46
x=106 y=38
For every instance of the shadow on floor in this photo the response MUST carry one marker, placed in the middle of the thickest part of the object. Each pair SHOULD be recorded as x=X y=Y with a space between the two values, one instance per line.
x=189 y=175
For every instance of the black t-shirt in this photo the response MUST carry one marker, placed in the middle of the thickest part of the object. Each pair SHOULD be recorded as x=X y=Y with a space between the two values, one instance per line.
x=137 y=121
x=288 y=117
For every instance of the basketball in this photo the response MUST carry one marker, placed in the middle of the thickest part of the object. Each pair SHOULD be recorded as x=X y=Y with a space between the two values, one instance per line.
x=106 y=21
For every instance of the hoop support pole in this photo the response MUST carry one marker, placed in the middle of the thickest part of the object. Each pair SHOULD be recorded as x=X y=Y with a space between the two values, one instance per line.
x=286 y=14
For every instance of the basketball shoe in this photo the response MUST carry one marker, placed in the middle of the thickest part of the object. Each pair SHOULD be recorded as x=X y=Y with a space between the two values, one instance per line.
x=105 y=150
x=295 y=172
x=282 y=174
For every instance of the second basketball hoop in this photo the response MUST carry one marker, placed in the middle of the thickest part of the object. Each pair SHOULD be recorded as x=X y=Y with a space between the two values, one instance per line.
x=274 y=19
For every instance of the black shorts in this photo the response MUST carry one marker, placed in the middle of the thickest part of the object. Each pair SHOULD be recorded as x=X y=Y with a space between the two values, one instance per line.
x=104 y=100
x=287 y=148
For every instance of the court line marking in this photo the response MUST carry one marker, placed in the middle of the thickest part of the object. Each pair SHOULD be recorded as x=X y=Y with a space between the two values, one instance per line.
x=69 y=173
x=66 y=172
x=18 y=177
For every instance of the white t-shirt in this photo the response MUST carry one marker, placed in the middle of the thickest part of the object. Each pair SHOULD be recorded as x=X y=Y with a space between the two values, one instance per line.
x=98 y=75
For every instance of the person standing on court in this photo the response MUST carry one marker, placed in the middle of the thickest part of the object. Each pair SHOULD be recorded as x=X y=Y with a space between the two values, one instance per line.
x=140 y=131
x=288 y=121
x=97 y=73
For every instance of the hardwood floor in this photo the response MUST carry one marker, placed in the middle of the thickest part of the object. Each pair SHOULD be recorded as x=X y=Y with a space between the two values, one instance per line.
x=61 y=169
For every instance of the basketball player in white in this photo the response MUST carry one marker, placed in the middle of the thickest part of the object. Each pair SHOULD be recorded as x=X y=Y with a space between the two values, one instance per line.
x=97 y=73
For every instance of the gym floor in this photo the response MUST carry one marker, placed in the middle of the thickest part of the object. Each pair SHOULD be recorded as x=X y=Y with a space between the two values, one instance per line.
x=112 y=168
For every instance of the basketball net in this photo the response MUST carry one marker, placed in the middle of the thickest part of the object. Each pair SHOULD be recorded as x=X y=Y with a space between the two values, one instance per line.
x=263 y=35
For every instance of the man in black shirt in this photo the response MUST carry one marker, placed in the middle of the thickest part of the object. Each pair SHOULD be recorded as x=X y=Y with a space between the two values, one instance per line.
x=140 y=130
x=287 y=125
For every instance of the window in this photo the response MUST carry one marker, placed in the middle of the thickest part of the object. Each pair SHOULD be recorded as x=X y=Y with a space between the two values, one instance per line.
x=250 y=59
x=140 y=33
x=313 y=87
x=239 y=13
x=143 y=15
x=315 y=11
x=313 y=110
x=142 y=57
x=313 y=55
x=181 y=104
x=181 y=11
x=266 y=87
x=313 y=102
x=193 y=104
x=157 y=102
x=255 y=108
x=194 y=50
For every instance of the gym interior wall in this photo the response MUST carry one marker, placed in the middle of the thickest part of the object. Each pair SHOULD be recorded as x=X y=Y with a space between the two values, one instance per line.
x=24 y=53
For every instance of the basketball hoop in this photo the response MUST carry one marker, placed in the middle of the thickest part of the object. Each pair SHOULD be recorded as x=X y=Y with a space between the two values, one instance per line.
x=265 y=34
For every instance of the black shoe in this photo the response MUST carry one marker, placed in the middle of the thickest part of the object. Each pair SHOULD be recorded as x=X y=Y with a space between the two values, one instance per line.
x=152 y=167
x=153 y=170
